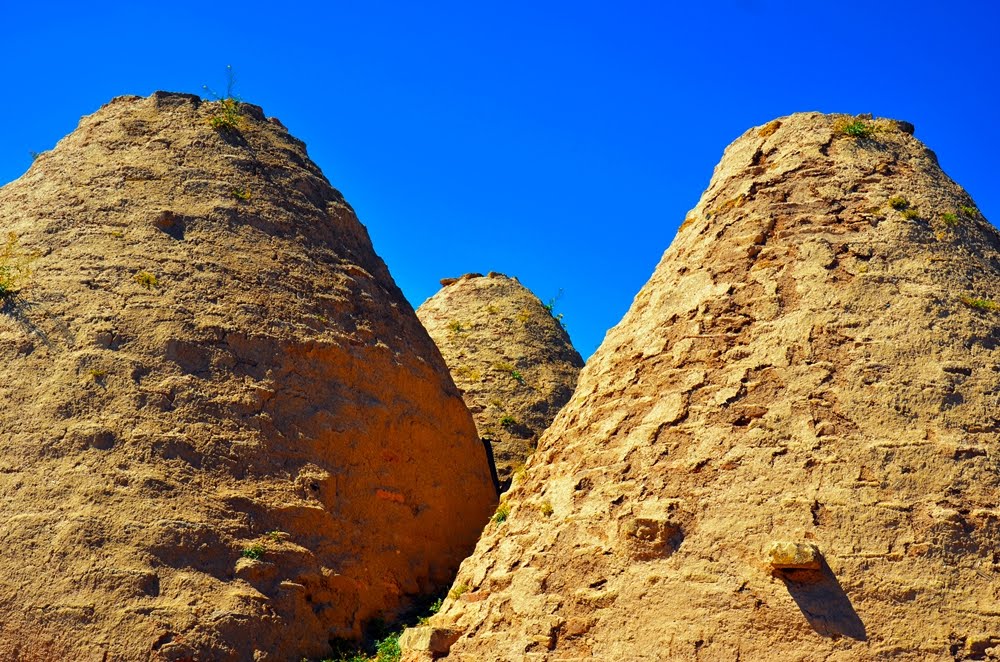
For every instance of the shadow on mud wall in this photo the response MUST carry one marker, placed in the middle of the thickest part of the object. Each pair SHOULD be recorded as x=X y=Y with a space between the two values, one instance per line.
x=823 y=602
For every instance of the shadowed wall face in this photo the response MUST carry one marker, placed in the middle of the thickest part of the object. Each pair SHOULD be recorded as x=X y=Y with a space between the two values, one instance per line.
x=823 y=601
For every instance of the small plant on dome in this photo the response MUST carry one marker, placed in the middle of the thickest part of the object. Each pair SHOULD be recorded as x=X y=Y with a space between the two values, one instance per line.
x=980 y=304
x=969 y=211
x=855 y=127
x=502 y=513
x=898 y=202
x=147 y=280
x=254 y=552
x=226 y=115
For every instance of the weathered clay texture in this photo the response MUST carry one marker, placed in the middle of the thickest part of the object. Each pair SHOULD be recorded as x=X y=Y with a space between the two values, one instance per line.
x=788 y=448
x=209 y=358
x=512 y=360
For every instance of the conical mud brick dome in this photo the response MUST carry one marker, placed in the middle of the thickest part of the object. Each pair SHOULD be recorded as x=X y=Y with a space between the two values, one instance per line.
x=221 y=425
x=510 y=357
x=787 y=449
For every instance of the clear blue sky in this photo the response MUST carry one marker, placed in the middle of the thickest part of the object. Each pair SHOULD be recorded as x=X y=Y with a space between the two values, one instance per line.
x=559 y=142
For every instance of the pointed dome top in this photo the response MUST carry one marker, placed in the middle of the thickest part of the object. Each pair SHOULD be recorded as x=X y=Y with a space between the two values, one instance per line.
x=786 y=448
x=221 y=424
x=510 y=357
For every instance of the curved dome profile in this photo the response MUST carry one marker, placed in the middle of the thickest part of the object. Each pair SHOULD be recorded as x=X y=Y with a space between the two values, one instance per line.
x=510 y=357
x=787 y=448
x=220 y=422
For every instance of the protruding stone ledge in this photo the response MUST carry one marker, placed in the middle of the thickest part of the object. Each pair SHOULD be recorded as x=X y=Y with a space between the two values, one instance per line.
x=793 y=556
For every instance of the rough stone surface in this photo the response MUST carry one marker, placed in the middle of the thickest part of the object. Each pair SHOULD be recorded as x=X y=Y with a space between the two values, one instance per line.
x=810 y=363
x=429 y=640
x=208 y=357
x=512 y=360
x=783 y=555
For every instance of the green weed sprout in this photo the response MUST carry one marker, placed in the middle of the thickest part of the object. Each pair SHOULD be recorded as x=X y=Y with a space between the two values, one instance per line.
x=147 y=280
x=388 y=650
x=254 y=552
x=856 y=128
x=227 y=115
x=502 y=513
x=980 y=304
